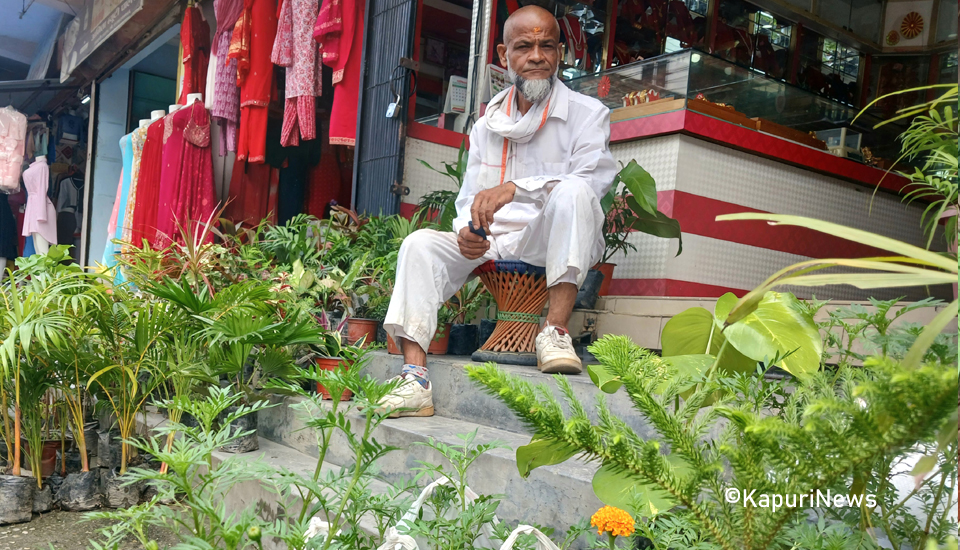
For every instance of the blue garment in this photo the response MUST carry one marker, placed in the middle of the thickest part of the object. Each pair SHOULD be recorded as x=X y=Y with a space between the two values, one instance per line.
x=111 y=249
x=28 y=248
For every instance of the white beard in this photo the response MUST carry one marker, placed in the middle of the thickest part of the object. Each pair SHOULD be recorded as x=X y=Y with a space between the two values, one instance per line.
x=534 y=90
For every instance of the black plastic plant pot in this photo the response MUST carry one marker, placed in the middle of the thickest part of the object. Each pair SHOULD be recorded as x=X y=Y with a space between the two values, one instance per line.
x=464 y=339
x=246 y=443
x=110 y=450
x=486 y=329
x=16 y=499
x=80 y=492
x=118 y=493
x=43 y=499
x=589 y=291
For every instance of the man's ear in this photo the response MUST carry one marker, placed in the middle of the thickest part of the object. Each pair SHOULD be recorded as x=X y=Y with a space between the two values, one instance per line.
x=502 y=52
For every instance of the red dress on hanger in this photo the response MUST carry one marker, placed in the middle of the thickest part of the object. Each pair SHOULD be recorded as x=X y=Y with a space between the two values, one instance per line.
x=195 y=40
x=251 y=45
x=341 y=45
x=148 y=186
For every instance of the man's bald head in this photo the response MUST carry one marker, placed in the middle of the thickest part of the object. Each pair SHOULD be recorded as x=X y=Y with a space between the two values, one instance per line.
x=531 y=51
x=532 y=19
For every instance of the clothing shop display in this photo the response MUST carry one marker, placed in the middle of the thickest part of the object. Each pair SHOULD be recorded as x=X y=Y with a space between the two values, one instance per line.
x=294 y=50
x=69 y=201
x=195 y=41
x=251 y=45
x=40 y=216
x=222 y=97
x=574 y=38
x=137 y=137
x=69 y=129
x=340 y=40
x=8 y=230
x=13 y=131
x=151 y=163
x=171 y=152
x=253 y=193
x=186 y=190
x=294 y=177
x=110 y=249
x=126 y=155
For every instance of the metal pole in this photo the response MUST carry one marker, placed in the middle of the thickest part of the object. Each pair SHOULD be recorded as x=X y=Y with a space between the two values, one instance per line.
x=88 y=174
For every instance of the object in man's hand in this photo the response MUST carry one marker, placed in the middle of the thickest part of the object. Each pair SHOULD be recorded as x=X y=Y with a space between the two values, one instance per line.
x=477 y=230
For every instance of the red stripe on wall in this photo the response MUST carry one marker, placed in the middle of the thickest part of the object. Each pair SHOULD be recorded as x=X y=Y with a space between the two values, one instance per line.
x=436 y=135
x=407 y=209
x=648 y=126
x=697 y=215
x=669 y=287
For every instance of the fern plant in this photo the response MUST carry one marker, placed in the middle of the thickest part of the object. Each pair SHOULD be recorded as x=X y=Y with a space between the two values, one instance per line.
x=792 y=443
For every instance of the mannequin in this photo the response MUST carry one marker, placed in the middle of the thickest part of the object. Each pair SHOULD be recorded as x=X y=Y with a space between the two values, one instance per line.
x=173 y=108
x=40 y=219
x=144 y=122
x=156 y=115
x=194 y=97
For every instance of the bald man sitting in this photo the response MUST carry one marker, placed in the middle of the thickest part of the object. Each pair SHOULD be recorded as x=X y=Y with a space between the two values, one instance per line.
x=539 y=164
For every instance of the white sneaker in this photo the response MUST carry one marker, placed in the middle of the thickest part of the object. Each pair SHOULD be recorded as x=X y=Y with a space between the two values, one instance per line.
x=555 y=353
x=409 y=399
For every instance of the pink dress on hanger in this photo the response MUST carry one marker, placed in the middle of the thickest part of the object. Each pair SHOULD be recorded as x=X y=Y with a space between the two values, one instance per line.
x=39 y=216
x=13 y=131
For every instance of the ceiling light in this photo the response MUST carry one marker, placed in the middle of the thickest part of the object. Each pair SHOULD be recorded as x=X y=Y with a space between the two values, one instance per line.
x=767 y=27
x=85 y=100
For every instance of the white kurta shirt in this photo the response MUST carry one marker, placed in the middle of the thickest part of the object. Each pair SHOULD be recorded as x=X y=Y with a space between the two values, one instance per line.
x=572 y=144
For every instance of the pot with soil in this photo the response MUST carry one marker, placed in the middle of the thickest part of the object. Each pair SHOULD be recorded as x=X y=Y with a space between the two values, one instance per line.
x=48 y=456
x=487 y=327
x=441 y=340
x=245 y=423
x=392 y=347
x=332 y=363
x=607 y=270
x=589 y=291
x=16 y=499
x=362 y=328
x=464 y=339
x=80 y=492
x=43 y=499
x=118 y=493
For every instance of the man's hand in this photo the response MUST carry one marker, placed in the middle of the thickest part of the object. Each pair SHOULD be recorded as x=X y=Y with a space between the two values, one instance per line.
x=487 y=202
x=472 y=246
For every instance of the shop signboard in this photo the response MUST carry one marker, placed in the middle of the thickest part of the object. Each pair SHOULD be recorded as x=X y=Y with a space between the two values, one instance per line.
x=91 y=27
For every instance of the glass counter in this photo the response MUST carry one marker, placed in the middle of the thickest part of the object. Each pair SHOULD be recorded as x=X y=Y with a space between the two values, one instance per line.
x=700 y=82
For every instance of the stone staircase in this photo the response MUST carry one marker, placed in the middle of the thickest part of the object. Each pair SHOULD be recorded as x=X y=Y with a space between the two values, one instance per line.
x=555 y=496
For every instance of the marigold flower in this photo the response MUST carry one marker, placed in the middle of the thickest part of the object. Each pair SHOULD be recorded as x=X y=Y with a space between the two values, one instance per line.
x=614 y=521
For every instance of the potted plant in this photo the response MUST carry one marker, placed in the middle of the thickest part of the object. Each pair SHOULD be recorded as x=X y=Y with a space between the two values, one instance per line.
x=441 y=338
x=440 y=206
x=616 y=228
x=634 y=208
x=464 y=335
x=332 y=355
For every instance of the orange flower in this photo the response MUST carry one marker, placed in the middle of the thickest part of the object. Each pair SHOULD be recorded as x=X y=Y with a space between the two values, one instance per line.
x=613 y=520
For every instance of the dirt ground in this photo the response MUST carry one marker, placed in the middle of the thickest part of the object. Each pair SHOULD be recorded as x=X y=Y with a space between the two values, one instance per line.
x=64 y=531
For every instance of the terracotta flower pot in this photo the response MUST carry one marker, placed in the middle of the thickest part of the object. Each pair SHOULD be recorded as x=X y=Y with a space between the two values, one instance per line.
x=331 y=363
x=438 y=346
x=607 y=270
x=392 y=347
x=362 y=328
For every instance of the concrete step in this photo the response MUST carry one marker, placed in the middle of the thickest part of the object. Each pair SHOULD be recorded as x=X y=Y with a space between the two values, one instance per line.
x=457 y=397
x=554 y=496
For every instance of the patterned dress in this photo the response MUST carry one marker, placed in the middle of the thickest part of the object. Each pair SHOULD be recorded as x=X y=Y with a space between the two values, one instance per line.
x=294 y=50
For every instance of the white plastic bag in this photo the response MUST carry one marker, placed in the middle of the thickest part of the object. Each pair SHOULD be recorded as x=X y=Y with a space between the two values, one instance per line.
x=543 y=541
x=316 y=527
x=394 y=540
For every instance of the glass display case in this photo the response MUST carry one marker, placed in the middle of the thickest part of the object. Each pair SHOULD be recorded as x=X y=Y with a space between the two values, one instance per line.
x=712 y=86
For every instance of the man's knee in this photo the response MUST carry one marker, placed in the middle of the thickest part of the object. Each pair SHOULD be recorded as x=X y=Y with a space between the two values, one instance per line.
x=572 y=192
x=421 y=241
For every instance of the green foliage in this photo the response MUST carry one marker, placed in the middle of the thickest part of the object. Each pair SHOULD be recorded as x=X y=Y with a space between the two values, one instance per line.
x=440 y=206
x=634 y=207
x=837 y=427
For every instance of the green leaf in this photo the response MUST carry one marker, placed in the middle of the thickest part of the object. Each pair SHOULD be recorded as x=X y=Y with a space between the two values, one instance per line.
x=621 y=489
x=693 y=367
x=925 y=465
x=601 y=376
x=688 y=332
x=929 y=334
x=779 y=324
x=641 y=186
x=657 y=224
x=542 y=452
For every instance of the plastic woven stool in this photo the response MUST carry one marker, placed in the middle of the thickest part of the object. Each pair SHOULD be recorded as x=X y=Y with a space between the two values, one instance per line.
x=520 y=291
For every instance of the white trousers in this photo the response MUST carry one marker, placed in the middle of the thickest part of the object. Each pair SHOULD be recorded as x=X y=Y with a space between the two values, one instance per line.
x=565 y=238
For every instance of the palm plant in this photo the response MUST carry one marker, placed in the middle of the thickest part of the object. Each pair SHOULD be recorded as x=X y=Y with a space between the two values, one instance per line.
x=440 y=206
x=931 y=140
x=132 y=337
x=38 y=303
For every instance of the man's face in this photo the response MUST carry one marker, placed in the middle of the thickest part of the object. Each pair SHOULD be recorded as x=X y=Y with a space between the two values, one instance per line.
x=532 y=50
